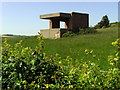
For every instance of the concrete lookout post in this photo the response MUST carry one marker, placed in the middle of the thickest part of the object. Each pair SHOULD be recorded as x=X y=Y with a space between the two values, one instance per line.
x=73 y=21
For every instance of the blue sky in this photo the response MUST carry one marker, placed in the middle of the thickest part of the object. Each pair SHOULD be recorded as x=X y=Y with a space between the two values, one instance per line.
x=23 y=17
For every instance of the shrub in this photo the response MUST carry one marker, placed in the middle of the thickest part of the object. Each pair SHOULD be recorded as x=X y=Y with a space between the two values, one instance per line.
x=26 y=68
x=68 y=34
x=103 y=23
x=87 y=30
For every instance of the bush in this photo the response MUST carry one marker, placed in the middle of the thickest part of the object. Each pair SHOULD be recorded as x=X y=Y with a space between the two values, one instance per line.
x=103 y=23
x=68 y=34
x=87 y=30
x=26 y=68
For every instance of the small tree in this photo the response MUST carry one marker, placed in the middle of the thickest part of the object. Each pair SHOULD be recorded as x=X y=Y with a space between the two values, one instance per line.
x=103 y=23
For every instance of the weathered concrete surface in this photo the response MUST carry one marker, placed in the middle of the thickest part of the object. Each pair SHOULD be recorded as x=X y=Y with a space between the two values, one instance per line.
x=53 y=33
x=78 y=20
x=72 y=21
x=54 y=15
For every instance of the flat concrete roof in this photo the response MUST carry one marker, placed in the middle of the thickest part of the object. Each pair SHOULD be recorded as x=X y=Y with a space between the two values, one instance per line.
x=78 y=13
x=57 y=15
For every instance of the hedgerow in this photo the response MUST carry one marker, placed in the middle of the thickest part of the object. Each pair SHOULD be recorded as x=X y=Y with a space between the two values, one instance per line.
x=80 y=31
x=26 y=68
x=69 y=34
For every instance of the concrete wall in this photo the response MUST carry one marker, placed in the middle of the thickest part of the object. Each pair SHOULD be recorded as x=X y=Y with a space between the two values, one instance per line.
x=78 y=20
x=51 y=33
x=55 y=33
x=45 y=33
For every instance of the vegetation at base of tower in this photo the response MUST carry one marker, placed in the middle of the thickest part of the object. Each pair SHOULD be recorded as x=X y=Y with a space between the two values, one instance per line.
x=68 y=34
x=31 y=68
x=89 y=30
x=82 y=31
x=103 y=23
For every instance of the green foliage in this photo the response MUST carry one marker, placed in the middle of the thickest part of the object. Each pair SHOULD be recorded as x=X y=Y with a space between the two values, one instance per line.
x=68 y=34
x=89 y=30
x=26 y=68
x=80 y=31
x=114 y=24
x=103 y=23
x=74 y=46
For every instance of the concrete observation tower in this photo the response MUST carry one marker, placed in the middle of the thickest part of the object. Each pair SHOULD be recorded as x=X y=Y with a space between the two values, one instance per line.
x=72 y=20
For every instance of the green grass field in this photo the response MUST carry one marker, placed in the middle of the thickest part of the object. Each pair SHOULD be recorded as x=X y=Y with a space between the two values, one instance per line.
x=75 y=46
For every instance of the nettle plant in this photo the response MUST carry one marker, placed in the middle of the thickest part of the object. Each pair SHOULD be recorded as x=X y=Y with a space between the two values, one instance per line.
x=26 y=68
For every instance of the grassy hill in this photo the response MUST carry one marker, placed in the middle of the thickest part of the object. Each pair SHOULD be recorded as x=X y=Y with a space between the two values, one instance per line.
x=74 y=47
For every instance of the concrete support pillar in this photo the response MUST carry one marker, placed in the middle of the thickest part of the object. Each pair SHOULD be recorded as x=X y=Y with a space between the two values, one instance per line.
x=54 y=23
x=68 y=23
x=50 y=24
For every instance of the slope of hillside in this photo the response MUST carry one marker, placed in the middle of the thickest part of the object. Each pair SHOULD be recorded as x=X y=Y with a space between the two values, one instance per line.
x=74 y=47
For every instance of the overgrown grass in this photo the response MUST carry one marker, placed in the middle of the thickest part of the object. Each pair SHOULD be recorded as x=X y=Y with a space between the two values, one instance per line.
x=75 y=46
